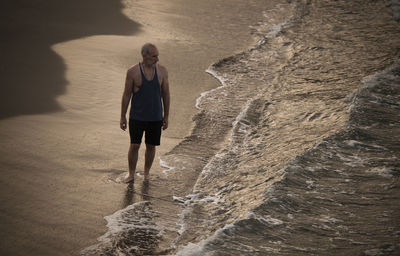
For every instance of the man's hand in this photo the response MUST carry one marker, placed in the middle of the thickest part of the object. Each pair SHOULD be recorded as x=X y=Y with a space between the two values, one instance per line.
x=165 y=124
x=122 y=123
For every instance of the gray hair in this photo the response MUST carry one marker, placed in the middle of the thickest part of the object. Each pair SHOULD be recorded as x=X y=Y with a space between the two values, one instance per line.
x=146 y=48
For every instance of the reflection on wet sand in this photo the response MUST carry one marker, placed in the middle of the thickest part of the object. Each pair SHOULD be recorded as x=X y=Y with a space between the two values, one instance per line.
x=130 y=193
x=145 y=190
x=128 y=199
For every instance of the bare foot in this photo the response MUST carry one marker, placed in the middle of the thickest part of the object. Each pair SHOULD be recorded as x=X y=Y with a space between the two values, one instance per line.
x=130 y=179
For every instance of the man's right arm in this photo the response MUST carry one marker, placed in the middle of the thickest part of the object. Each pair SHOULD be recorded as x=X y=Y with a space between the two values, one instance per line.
x=126 y=96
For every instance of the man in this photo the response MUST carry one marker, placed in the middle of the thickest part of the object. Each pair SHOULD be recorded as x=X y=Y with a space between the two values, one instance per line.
x=147 y=88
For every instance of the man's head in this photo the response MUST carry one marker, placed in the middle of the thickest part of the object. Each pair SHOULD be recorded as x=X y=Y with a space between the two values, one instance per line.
x=149 y=54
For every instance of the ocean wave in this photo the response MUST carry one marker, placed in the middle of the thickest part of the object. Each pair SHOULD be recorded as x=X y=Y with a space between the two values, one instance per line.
x=319 y=158
x=320 y=206
x=131 y=231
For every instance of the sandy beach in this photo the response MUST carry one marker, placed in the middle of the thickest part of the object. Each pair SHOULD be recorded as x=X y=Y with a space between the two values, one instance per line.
x=282 y=140
x=62 y=74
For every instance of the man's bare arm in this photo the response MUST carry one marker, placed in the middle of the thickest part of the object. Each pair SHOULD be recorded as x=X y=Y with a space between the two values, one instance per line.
x=165 y=98
x=126 y=96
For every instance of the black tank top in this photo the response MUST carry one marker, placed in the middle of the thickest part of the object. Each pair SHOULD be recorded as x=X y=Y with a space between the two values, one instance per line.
x=146 y=103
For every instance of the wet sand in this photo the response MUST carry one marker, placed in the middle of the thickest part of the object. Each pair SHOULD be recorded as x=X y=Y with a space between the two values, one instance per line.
x=62 y=152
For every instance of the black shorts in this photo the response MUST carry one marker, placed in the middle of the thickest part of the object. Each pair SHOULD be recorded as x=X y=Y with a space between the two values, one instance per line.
x=152 y=131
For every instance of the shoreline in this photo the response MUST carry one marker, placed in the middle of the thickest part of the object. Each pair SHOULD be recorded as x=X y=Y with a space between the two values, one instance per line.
x=172 y=174
x=204 y=205
x=63 y=167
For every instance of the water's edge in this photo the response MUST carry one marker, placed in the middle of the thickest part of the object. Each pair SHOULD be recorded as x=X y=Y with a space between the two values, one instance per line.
x=275 y=152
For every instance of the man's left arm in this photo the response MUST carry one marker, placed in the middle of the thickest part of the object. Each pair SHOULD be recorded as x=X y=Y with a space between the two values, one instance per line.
x=165 y=97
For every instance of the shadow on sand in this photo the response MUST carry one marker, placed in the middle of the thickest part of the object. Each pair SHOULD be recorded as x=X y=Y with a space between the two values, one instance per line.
x=31 y=74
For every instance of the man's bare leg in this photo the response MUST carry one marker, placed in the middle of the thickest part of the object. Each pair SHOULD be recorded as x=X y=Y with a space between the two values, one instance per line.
x=132 y=161
x=149 y=157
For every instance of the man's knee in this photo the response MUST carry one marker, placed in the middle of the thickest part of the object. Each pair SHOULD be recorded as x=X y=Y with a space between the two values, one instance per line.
x=150 y=147
x=135 y=147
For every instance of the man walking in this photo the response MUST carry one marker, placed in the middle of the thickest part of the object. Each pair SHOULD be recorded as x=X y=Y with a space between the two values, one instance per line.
x=147 y=88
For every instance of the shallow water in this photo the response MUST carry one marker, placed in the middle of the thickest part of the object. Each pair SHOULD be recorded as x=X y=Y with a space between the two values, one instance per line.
x=297 y=153
x=338 y=198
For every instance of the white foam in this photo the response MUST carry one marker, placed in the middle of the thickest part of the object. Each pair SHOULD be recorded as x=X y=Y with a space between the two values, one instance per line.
x=382 y=76
x=387 y=76
x=121 y=178
x=352 y=160
x=209 y=168
x=271 y=221
x=275 y=29
x=186 y=201
x=221 y=79
x=382 y=171
x=328 y=219
x=192 y=249
x=310 y=184
x=311 y=169
x=238 y=124
x=210 y=199
x=199 y=249
x=353 y=143
x=270 y=249
x=119 y=222
x=181 y=222
x=166 y=167
x=265 y=219
x=192 y=196
x=178 y=199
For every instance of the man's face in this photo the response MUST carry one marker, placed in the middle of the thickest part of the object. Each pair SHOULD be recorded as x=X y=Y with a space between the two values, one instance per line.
x=152 y=58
